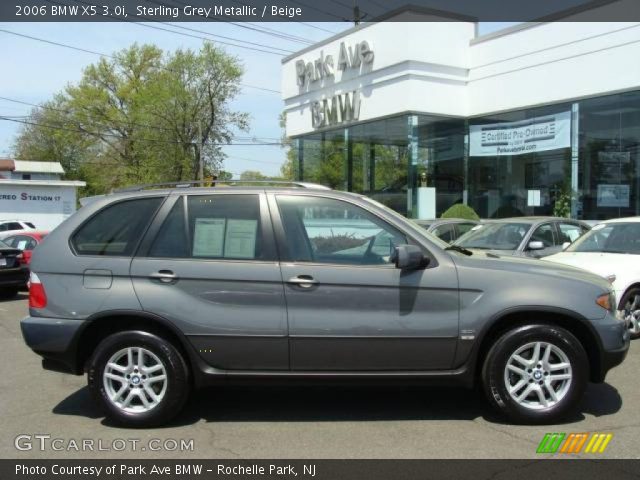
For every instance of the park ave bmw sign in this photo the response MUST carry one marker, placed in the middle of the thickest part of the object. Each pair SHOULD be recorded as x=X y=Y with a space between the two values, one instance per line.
x=343 y=107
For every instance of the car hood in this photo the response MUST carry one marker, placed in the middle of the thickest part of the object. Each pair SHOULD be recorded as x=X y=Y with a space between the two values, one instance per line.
x=624 y=266
x=487 y=259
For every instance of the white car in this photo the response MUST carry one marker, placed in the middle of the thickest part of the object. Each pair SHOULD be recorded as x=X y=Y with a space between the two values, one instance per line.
x=612 y=249
x=10 y=227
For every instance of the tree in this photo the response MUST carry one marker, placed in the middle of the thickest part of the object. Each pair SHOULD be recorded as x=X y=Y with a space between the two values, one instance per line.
x=140 y=116
x=252 y=175
x=289 y=169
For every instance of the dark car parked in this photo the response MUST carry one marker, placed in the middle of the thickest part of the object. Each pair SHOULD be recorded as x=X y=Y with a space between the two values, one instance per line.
x=13 y=273
x=448 y=229
x=154 y=291
x=535 y=237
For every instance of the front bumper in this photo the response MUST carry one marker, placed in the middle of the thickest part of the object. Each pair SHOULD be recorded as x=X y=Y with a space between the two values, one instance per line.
x=54 y=339
x=615 y=338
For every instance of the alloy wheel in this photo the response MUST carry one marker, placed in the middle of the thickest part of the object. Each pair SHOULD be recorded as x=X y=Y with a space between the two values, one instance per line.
x=135 y=380
x=632 y=314
x=538 y=375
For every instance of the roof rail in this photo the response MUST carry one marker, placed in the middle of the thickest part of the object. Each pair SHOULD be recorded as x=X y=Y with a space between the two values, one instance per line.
x=213 y=183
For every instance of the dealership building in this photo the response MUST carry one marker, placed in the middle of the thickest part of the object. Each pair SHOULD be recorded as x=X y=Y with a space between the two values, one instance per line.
x=540 y=118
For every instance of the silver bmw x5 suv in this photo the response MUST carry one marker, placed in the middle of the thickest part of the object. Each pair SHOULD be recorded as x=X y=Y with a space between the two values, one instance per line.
x=155 y=291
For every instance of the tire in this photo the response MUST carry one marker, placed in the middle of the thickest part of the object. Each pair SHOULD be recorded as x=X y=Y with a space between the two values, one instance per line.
x=118 y=356
x=630 y=305
x=534 y=407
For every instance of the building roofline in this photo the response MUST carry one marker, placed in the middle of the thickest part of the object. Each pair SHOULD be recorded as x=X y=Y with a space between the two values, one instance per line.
x=47 y=183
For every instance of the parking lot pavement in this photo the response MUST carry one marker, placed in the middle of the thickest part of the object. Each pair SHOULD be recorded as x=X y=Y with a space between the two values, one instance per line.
x=294 y=422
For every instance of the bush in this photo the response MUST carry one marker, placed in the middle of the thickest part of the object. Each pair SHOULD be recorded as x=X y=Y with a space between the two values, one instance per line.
x=459 y=210
x=336 y=243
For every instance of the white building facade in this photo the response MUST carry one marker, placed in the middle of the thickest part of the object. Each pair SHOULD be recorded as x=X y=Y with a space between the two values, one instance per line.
x=537 y=119
x=34 y=192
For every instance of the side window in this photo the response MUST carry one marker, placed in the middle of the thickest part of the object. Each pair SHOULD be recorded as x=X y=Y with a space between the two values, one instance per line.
x=544 y=234
x=116 y=229
x=29 y=224
x=569 y=232
x=324 y=230
x=171 y=241
x=3 y=227
x=445 y=232
x=15 y=226
x=225 y=226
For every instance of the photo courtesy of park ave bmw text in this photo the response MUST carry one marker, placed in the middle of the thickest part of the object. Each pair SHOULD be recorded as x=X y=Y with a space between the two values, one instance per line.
x=291 y=239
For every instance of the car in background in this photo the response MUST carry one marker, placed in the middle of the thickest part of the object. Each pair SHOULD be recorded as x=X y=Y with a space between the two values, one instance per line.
x=8 y=227
x=448 y=229
x=535 y=237
x=612 y=250
x=13 y=273
x=26 y=242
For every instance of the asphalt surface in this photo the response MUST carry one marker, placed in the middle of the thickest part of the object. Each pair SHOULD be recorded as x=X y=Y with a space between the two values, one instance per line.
x=293 y=422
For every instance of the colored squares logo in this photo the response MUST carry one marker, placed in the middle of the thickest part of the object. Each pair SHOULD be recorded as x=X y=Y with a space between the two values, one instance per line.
x=574 y=443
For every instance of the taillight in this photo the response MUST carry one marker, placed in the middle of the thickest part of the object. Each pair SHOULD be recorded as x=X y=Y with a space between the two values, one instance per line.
x=37 y=295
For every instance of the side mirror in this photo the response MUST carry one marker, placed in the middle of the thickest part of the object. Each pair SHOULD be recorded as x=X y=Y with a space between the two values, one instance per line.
x=408 y=257
x=565 y=245
x=535 y=245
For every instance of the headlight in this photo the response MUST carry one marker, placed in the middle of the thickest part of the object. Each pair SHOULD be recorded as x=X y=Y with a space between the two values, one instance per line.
x=607 y=301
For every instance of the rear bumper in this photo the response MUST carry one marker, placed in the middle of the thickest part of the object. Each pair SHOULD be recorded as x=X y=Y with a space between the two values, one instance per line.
x=14 y=277
x=54 y=340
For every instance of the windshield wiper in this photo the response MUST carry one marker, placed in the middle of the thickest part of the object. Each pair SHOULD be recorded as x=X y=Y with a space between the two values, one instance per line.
x=458 y=248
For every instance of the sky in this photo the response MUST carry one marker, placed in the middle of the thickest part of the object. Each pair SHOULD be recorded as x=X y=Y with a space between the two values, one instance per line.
x=33 y=71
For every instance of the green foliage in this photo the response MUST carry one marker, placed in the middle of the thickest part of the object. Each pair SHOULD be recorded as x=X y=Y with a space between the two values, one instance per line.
x=142 y=116
x=252 y=175
x=336 y=243
x=562 y=205
x=460 y=210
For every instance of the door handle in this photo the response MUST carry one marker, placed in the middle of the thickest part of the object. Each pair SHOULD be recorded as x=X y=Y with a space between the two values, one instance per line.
x=303 y=281
x=165 y=276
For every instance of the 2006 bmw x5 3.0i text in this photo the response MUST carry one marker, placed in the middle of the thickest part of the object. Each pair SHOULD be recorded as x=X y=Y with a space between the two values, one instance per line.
x=155 y=291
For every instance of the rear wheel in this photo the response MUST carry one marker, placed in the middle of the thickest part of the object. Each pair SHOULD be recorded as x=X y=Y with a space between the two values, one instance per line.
x=630 y=304
x=140 y=380
x=536 y=374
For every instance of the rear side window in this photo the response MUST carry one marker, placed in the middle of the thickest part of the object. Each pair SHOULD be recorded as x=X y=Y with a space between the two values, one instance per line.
x=15 y=226
x=217 y=227
x=30 y=225
x=116 y=230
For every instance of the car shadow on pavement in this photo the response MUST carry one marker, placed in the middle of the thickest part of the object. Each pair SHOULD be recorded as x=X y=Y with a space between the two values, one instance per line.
x=339 y=403
x=20 y=296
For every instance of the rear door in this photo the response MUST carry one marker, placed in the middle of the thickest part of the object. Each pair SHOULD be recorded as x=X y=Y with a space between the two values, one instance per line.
x=349 y=307
x=208 y=265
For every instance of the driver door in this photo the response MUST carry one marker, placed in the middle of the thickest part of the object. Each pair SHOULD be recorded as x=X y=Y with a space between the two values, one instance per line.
x=348 y=307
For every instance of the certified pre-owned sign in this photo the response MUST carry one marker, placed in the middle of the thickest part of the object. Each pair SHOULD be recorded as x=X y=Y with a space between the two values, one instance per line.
x=516 y=138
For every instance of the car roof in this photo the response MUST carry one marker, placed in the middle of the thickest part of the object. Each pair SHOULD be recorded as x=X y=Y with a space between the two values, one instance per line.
x=622 y=220
x=531 y=220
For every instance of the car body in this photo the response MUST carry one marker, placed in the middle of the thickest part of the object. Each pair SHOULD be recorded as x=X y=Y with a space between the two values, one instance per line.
x=612 y=249
x=448 y=229
x=13 y=273
x=26 y=241
x=534 y=237
x=152 y=291
x=9 y=227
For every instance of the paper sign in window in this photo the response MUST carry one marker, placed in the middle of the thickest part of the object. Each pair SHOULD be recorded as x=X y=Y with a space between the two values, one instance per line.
x=208 y=237
x=240 y=240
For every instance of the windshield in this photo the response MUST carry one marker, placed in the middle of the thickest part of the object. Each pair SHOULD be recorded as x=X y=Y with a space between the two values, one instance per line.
x=494 y=236
x=609 y=238
x=415 y=227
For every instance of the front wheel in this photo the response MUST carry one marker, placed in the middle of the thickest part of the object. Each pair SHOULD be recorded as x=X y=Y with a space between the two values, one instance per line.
x=140 y=379
x=536 y=374
x=630 y=304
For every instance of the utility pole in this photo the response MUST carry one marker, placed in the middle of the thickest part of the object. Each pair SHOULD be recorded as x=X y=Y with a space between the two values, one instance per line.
x=201 y=159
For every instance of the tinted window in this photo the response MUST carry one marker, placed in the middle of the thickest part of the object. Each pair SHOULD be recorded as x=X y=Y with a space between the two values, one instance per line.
x=15 y=226
x=225 y=226
x=29 y=224
x=171 y=240
x=544 y=234
x=568 y=232
x=116 y=229
x=3 y=227
x=324 y=230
